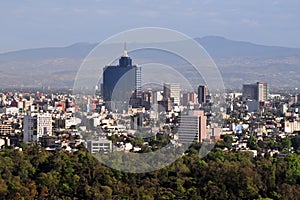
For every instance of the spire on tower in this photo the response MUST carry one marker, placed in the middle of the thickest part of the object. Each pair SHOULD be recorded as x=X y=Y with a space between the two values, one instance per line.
x=125 y=54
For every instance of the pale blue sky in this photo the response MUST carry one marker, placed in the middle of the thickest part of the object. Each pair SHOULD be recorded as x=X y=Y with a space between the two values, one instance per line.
x=41 y=23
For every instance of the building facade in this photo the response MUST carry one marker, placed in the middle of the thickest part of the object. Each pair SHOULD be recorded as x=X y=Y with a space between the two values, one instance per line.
x=258 y=91
x=100 y=145
x=291 y=126
x=192 y=127
x=189 y=98
x=37 y=125
x=172 y=91
x=6 y=129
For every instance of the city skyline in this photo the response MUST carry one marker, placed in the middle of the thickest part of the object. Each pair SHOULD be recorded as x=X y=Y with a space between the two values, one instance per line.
x=203 y=104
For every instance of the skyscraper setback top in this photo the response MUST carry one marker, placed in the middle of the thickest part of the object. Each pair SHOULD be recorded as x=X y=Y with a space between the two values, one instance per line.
x=125 y=60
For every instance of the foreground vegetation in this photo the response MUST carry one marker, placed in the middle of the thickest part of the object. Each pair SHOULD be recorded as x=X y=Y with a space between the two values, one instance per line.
x=38 y=174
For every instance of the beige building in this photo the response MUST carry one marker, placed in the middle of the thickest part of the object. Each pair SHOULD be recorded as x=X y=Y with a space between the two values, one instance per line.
x=291 y=126
x=5 y=129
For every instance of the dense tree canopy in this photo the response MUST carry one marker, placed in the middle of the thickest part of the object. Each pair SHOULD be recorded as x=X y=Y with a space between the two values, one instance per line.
x=38 y=174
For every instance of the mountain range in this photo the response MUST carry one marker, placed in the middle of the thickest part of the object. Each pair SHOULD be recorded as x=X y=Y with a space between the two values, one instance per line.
x=239 y=62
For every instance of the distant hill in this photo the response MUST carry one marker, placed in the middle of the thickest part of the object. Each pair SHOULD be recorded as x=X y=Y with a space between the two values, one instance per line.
x=216 y=46
x=220 y=47
x=78 y=50
x=238 y=61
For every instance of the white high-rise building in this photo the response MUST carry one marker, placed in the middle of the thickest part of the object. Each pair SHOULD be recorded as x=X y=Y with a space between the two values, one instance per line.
x=263 y=91
x=172 y=91
x=37 y=125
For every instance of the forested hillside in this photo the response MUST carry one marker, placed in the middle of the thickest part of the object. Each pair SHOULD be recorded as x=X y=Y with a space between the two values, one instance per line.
x=38 y=174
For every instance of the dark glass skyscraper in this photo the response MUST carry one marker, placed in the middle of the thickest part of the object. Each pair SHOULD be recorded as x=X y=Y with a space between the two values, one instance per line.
x=258 y=91
x=120 y=82
x=202 y=93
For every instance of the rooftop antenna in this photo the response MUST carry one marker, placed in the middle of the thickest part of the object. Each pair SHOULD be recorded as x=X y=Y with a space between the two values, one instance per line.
x=125 y=54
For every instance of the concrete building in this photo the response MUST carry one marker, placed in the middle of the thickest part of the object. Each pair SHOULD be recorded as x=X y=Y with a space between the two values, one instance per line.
x=192 y=127
x=37 y=125
x=99 y=145
x=157 y=96
x=185 y=99
x=136 y=122
x=291 y=126
x=172 y=91
x=11 y=110
x=258 y=91
x=5 y=129
x=263 y=91
x=189 y=98
x=165 y=105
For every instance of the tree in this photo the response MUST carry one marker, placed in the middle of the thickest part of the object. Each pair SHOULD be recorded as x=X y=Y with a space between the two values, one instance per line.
x=285 y=144
x=292 y=172
x=228 y=140
x=37 y=174
x=296 y=142
x=252 y=142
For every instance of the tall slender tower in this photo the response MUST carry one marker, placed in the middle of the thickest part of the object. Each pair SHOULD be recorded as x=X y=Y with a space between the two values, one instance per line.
x=138 y=82
x=202 y=93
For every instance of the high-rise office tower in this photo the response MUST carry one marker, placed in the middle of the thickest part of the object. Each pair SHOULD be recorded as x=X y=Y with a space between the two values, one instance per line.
x=120 y=83
x=192 y=127
x=37 y=125
x=172 y=91
x=202 y=93
x=258 y=91
x=138 y=82
x=250 y=91
x=263 y=91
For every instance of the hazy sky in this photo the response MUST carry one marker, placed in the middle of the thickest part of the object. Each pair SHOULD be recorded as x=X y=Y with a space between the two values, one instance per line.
x=41 y=23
